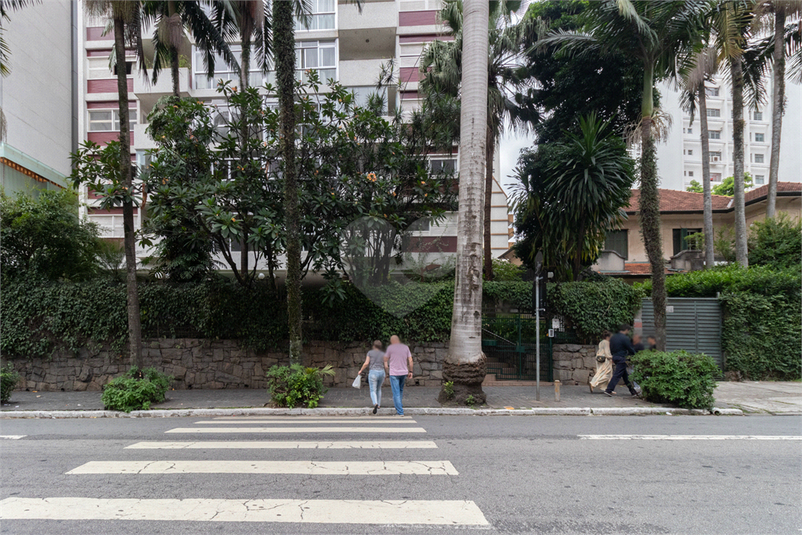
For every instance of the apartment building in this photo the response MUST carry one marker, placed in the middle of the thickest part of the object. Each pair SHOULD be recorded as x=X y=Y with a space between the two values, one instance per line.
x=37 y=97
x=680 y=157
x=341 y=43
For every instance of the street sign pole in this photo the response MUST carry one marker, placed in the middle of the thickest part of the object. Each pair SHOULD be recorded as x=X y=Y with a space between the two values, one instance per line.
x=538 y=266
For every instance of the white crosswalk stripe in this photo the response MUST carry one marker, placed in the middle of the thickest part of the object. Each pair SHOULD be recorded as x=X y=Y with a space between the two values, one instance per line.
x=688 y=437
x=392 y=511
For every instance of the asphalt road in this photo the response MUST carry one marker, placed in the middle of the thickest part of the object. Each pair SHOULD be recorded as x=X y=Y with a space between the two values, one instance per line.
x=493 y=474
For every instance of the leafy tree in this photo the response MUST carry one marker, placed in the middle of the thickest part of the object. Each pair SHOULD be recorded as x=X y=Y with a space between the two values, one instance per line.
x=726 y=188
x=776 y=242
x=664 y=37
x=585 y=187
x=44 y=237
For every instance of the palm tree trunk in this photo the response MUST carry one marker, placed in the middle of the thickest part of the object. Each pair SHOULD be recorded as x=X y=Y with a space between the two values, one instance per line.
x=245 y=69
x=174 y=71
x=777 y=106
x=488 y=251
x=465 y=364
x=134 y=320
x=736 y=70
x=707 y=195
x=580 y=242
x=650 y=209
x=284 y=51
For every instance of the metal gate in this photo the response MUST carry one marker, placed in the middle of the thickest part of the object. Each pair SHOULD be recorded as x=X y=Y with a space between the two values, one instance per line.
x=508 y=342
x=692 y=324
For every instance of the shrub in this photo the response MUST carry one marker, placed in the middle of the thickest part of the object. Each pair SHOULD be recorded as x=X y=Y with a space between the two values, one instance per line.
x=593 y=307
x=776 y=242
x=290 y=385
x=133 y=392
x=678 y=377
x=8 y=380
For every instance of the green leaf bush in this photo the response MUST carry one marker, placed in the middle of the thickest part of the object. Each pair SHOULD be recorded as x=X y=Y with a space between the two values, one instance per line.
x=135 y=391
x=677 y=377
x=8 y=380
x=292 y=385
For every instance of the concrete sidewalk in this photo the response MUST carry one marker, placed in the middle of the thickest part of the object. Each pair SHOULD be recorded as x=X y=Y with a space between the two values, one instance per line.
x=750 y=397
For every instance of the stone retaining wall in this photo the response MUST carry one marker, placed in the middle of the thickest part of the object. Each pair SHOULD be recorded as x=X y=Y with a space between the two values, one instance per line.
x=211 y=364
x=574 y=363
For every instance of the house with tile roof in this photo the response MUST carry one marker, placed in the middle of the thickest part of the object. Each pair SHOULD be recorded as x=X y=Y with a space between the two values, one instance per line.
x=682 y=214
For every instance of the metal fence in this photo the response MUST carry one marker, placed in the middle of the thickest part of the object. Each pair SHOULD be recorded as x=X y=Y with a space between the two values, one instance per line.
x=509 y=344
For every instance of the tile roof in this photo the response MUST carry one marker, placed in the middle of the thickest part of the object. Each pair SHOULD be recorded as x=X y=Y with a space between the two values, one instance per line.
x=687 y=201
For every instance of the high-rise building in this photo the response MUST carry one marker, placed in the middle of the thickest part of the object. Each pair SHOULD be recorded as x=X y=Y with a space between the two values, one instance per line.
x=341 y=43
x=679 y=158
x=38 y=97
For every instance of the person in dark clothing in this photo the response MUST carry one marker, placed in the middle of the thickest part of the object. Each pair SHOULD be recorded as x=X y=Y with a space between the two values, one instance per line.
x=652 y=342
x=621 y=347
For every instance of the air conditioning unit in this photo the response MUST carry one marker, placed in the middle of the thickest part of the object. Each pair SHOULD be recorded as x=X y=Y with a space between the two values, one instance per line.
x=715 y=158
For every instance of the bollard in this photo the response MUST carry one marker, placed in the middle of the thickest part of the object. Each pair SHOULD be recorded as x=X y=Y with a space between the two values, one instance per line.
x=557 y=390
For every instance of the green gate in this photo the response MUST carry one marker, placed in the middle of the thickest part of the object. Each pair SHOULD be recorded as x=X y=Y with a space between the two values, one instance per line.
x=509 y=344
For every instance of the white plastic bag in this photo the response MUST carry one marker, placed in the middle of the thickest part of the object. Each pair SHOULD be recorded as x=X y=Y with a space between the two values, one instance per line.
x=357 y=382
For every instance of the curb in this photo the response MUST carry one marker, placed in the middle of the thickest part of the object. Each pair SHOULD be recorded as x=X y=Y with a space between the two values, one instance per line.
x=433 y=411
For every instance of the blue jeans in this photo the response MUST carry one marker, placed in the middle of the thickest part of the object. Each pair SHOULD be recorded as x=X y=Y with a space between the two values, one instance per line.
x=397 y=384
x=375 y=380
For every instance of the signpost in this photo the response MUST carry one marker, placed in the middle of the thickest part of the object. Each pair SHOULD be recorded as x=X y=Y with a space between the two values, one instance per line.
x=538 y=267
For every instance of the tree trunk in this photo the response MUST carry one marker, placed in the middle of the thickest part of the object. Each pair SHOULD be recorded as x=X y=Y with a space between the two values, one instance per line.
x=134 y=320
x=777 y=106
x=465 y=364
x=736 y=70
x=650 y=209
x=244 y=80
x=284 y=51
x=174 y=72
x=488 y=251
x=708 y=198
x=580 y=241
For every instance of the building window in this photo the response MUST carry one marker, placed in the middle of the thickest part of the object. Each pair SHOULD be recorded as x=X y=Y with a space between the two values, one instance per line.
x=617 y=240
x=713 y=112
x=322 y=16
x=223 y=71
x=109 y=120
x=690 y=173
x=443 y=165
x=760 y=180
x=711 y=91
x=316 y=55
x=758 y=158
x=688 y=130
x=715 y=156
x=757 y=115
x=681 y=243
x=714 y=134
x=690 y=152
x=715 y=177
x=760 y=138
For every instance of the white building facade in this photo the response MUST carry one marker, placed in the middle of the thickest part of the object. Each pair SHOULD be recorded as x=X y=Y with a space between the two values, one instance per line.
x=679 y=158
x=341 y=43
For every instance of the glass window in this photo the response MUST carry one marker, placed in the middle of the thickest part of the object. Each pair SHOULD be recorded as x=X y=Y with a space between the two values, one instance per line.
x=715 y=177
x=317 y=55
x=109 y=120
x=760 y=180
x=760 y=137
x=711 y=91
x=690 y=152
x=715 y=156
x=680 y=241
x=223 y=71
x=443 y=165
x=690 y=173
x=758 y=158
x=689 y=130
x=757 y=116
x=322 y=16
x=618 y=241
x=713 y=112
x=715 y=134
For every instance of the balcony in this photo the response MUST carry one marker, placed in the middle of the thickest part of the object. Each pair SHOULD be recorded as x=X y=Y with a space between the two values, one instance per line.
x=370 y=34
x=148 y=93
x=360 y=73
x=141 y=139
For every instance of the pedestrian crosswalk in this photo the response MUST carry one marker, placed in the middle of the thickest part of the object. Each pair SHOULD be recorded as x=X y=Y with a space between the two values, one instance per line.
x=162 y=458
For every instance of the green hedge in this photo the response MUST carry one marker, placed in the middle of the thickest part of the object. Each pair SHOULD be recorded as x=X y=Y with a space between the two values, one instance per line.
x=762 y=327
x=678 y=377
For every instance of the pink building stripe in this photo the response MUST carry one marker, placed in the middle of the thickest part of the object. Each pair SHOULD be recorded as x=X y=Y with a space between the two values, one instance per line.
x=106 y=86
x=96 y=34
x=417 y=18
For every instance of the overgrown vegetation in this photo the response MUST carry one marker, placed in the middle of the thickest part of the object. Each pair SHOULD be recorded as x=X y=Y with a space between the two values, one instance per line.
x=677 y=377
x=136 y=390
x=290 y=386
x=8 y=381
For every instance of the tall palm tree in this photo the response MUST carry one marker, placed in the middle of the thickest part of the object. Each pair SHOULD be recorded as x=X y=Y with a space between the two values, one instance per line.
x=171 y=19
x=694 y=93
x=783 y=9
x=465 y=363
x=126 y=17
x=664 y=36
x=442 y=61
x=732 y=22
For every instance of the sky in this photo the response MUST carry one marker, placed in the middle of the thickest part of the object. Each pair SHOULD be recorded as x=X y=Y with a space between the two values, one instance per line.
x=509 y=148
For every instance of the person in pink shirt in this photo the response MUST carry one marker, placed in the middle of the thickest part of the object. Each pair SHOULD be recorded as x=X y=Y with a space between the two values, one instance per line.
x=398 y=360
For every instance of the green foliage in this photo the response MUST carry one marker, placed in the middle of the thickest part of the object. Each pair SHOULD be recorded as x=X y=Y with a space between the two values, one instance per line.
x=695 y=187
x=8 y=380
x=292 y=385
x=136 y=390
x=593 y=307
x=761 y=331
x=448 y=388
x=506 y=271
x=678 y=377
x=470 y=400
x=776 y=242
x=725 y=188
x=44 y=237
